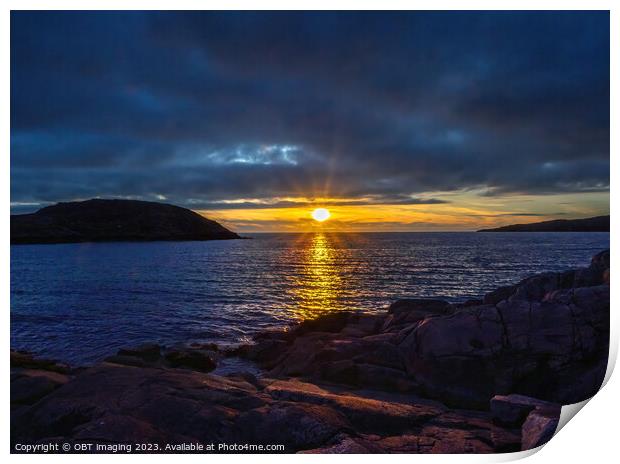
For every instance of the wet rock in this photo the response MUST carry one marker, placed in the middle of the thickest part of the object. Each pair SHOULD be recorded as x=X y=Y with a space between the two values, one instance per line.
x=408 y=311
x=274 y=334
x=22 y=359
x=362 y=325
x=126 y=360
x=146 y=352
x=205 y=346
x=332 y=322
x=192 y=359
x=265 y=352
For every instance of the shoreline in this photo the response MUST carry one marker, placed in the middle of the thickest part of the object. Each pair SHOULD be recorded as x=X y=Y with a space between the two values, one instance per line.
x=427 y=376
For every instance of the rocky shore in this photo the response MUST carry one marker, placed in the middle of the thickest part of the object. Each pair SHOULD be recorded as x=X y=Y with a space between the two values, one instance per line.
x=426 y=376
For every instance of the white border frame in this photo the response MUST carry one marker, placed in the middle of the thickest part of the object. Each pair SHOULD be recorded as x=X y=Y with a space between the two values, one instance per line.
x=592 y=437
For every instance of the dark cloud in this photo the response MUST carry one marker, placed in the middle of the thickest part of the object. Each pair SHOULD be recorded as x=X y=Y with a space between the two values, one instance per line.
x=204 y=107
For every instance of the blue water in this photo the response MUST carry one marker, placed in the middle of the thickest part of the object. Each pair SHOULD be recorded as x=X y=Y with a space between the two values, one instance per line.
x=81 y=302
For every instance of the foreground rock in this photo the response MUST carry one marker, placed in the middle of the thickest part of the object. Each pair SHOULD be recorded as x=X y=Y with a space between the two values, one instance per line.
x=113 y=403
x=114 y=220
x=202 y=358
x=425 y=377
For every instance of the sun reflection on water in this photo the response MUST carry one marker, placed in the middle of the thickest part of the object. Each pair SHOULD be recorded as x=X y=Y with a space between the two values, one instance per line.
x=318 y=287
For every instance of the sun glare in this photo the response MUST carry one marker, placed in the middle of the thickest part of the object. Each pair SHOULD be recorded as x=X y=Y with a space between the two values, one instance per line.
x=320 y=214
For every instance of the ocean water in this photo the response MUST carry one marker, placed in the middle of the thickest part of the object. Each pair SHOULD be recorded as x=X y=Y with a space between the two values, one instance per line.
x=81 y=302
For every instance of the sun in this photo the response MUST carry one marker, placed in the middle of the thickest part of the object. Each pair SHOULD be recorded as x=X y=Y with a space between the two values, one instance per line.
x=320 y=214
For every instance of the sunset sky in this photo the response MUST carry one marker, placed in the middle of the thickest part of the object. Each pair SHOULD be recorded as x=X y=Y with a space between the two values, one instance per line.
x=392 y=121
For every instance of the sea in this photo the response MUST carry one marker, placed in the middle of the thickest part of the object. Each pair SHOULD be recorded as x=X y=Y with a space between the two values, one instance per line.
x=80 y=302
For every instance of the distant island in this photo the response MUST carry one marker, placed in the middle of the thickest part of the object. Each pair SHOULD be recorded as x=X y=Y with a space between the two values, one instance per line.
x=593 y=224
x=100 y=220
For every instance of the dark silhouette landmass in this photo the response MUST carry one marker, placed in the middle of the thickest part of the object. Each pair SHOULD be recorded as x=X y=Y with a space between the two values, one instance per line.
x=593 y=224
x=425 y=376
x=114 y=220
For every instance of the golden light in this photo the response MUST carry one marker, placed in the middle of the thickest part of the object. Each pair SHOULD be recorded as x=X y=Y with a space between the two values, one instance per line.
x=320 y=214
x=319 y=287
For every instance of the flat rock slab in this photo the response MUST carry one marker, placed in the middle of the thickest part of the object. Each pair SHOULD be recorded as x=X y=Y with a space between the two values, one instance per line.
x=513 y=409
x=112 y=403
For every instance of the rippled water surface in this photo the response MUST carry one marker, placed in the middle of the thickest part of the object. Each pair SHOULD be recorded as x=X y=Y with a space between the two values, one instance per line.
x=80 y=302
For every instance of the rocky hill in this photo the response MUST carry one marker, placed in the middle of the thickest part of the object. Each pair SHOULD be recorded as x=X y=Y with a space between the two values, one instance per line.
x=114 y=220
x=593 y=224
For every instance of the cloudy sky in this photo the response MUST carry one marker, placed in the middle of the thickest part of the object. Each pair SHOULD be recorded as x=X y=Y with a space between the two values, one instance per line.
x=393 y=121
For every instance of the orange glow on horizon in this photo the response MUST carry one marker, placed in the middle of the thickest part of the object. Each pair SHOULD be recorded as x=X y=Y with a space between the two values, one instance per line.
x=459 y=212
